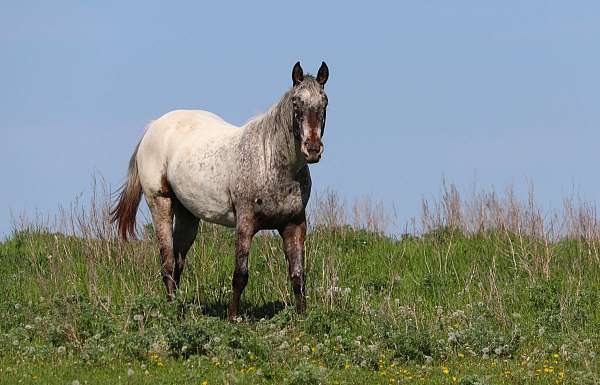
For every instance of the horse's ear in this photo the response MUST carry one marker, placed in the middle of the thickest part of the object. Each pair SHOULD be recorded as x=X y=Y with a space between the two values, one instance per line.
x=323 y=74
x=297 y=74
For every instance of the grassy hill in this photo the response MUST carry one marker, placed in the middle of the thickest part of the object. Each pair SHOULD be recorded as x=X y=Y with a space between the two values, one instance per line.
x=451 y=305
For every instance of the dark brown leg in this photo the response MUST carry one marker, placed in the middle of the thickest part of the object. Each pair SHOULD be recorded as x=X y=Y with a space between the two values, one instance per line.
x=184 y=234
x=293 y=235
x=162 y=215
x=244 y=233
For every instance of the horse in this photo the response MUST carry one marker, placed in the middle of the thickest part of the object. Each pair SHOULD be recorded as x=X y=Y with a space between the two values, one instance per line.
x=192 y=165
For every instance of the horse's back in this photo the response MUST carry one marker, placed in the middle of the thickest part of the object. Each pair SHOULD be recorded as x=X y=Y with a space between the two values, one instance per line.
x=184 y=121
x=178 y=128
x=191 y=150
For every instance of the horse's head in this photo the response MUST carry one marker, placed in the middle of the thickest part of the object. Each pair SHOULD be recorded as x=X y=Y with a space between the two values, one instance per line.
x=310 y=102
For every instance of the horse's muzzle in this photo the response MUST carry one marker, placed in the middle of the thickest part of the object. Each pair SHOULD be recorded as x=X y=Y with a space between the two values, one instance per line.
x=312 y=150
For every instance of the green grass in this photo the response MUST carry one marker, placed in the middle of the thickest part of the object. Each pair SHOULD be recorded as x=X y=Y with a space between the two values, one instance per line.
x=442 y=308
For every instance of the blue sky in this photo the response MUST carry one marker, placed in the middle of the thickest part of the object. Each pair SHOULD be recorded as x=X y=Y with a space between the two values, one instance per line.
x=494 y=92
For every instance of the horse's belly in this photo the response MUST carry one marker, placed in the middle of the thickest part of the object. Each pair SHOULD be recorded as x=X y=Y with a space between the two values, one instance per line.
x=203 y=192
x=207 y=204
x=211 y=209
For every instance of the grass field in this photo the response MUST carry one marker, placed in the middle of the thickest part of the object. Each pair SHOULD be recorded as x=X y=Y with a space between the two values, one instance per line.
x=487 y=291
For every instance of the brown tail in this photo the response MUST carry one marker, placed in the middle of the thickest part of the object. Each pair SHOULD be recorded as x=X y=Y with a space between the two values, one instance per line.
x=129 y=199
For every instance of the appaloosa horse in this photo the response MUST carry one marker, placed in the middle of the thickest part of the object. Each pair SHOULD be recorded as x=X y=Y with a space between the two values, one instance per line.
x=192 y=165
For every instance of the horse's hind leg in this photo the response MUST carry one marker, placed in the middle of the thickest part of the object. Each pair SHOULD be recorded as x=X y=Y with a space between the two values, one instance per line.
x=184 y=234
x=161 y=208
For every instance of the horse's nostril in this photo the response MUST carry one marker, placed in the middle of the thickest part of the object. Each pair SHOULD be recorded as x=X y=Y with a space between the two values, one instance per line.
x=312 y=147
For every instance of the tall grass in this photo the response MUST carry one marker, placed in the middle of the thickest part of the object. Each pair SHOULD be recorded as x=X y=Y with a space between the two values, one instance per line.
x=79 y=248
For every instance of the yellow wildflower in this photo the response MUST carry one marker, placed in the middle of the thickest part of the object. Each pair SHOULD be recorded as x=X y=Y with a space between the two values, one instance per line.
x=445 y=370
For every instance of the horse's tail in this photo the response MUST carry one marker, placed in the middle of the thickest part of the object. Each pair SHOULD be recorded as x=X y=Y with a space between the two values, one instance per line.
x=130 y=194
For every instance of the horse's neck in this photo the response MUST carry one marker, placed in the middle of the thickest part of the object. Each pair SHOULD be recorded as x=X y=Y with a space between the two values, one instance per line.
x=273 y=141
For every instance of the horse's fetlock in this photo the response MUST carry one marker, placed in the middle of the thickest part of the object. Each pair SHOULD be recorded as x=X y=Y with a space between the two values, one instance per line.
x=298 y=284
x=240 y=279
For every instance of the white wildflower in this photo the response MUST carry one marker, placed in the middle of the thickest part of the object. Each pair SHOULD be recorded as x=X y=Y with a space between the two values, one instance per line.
x=439 y=311
x=284 y=345
x=460 y=314
x=451 y=337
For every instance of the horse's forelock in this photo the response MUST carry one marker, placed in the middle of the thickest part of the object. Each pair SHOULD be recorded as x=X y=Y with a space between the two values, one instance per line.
x=309 y=91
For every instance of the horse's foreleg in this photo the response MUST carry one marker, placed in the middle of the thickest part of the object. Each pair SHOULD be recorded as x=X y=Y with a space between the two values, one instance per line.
x=184 y=234
x=293 y=235
x=162 y=215
x=244 y=233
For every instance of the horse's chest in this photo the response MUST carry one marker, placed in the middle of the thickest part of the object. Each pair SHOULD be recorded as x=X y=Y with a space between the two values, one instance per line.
x=278 y=203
